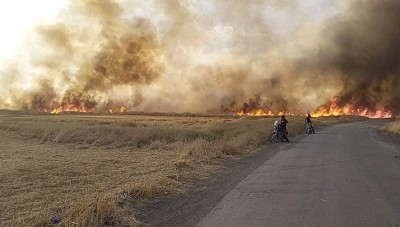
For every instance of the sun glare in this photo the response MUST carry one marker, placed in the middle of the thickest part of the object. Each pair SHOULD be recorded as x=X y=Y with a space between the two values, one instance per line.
x=17 y=17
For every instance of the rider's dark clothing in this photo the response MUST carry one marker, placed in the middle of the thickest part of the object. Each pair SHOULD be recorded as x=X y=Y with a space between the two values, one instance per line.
x=284 y=122
x=308 y=121
x=282 y=128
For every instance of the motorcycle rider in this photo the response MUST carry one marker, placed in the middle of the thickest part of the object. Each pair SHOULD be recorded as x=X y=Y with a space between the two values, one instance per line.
x=308 y=121
x=282 y=128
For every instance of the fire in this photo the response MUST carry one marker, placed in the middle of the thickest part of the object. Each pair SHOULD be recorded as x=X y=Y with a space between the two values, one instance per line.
x=79 y=109
x=121 y=109
x=263 y=113
x=69 y=108
x=332 y=110
x=259 y=112
x=335 y=110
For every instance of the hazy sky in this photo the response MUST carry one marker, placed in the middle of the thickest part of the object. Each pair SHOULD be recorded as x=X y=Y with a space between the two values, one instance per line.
x=18 y=17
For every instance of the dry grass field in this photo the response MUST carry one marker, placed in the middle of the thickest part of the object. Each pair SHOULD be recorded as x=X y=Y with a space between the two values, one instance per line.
x=91 y=170
x=393 y=127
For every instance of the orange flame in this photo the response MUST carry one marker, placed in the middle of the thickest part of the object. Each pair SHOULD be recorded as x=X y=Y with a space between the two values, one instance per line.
x=332 y=111
x=69 y=108
x=259 y=112
x=335 y=110
x=80 y=109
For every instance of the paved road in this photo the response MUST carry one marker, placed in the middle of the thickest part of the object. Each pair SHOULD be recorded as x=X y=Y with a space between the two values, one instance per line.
x=346 y=175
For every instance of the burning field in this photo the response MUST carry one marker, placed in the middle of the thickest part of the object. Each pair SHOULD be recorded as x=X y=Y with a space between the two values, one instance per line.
x=268 y=57
x=332 y=110
x=82 y=76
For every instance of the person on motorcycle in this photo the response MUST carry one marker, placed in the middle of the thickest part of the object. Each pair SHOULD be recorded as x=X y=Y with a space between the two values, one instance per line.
x=282 y=128
x=308 y=121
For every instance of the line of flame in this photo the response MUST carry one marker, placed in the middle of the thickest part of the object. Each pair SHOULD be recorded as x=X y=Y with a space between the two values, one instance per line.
x=323 y=112
x=73 y=108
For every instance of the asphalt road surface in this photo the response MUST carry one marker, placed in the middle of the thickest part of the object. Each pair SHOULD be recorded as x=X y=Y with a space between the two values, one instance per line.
x=345 y=175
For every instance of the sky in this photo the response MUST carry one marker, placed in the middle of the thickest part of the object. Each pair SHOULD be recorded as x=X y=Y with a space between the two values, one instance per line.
x=18 y=17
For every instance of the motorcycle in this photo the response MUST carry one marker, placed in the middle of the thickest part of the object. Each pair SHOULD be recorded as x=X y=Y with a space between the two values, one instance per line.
x=275 y=135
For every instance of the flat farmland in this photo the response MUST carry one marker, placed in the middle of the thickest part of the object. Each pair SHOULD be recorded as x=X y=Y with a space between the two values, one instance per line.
x=91 y=170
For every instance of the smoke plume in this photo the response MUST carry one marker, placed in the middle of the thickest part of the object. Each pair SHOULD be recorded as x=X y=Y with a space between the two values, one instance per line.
x=210 y=56
x=361 y=45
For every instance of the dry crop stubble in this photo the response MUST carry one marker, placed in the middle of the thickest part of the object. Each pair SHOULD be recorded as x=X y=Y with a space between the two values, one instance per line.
x=91 y=170
x=392 y=127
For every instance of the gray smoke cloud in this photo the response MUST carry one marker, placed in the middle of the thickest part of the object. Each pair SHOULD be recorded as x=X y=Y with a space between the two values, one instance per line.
x=212 y=56
x=362 y=46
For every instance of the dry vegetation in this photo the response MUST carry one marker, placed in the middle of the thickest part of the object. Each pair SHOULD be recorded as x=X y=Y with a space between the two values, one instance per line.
x=91 y=169
x=393 y=127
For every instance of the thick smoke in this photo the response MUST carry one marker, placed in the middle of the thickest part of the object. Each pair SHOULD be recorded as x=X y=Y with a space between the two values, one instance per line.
x=361 y=45
x=212 y=56
x=88 y=54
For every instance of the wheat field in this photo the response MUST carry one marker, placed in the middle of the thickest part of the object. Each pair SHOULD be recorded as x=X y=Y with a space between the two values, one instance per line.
x=91 y=170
